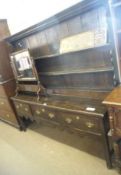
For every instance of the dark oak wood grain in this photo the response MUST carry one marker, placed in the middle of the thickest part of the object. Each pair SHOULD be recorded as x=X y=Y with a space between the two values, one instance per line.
x=75 y=83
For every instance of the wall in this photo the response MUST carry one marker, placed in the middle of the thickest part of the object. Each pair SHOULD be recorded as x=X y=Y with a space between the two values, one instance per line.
x=22 y=14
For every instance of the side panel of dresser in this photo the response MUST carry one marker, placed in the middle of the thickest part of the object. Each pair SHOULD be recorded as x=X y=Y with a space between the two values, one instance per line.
x=6 y=72
x=7 y=113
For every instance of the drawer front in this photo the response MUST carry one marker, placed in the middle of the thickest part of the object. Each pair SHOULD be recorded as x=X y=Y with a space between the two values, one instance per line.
x=81 y=122
x=23 y=109
x=8 y=116
x=68 y=119
x=45 y=113
x=5 y=104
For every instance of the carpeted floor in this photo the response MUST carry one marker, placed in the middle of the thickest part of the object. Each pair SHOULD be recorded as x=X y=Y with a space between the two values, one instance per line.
x=48 y=151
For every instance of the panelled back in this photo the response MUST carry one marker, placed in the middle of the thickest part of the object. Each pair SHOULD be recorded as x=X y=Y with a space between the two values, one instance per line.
x=48 y=41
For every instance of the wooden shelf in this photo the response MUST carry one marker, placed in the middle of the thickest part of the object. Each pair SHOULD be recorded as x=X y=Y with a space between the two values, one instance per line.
x=61 y=54
x=79 y=71
x=27 y=79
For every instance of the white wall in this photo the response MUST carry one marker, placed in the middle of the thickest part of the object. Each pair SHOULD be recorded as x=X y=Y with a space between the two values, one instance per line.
x=24 y=13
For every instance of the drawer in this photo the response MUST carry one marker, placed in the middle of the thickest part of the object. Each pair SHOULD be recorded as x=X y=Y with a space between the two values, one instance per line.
x=23 y=110
x=8 y=117
x=45 y=113
x=26 y=87
x=5 y=104
x=86 y=123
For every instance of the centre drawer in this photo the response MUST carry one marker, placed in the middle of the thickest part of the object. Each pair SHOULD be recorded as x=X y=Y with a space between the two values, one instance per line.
x=23 y=109
x=82 y=122
x=44 y=112
x=88 y=123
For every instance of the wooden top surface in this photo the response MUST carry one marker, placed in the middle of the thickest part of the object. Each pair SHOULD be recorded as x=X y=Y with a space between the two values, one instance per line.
x=67 y=104
x=114 y=98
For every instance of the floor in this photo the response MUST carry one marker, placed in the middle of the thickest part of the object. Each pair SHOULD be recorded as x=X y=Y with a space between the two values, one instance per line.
x=44 y=150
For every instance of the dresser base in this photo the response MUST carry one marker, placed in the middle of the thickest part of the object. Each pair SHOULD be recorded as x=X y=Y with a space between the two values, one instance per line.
x=67 y=114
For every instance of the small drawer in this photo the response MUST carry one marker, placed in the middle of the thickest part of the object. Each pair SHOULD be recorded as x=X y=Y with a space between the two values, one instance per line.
x=44 y=112
x=23 y=109
x=81 y=122
x=8 y=116
x=26 y=87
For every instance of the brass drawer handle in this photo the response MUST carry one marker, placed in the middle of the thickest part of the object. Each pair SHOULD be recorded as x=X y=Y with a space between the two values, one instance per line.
x=8 y=115
x=68 y=120
x=26 y=109
x=38 y=112
x=17 y=106
x=43 y=110
x=2 y=103
x=51 y=115
x=89 y=124
x=77 y=117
